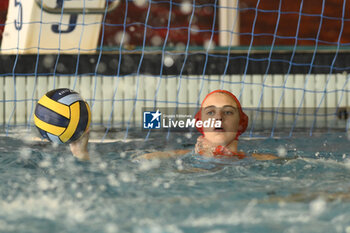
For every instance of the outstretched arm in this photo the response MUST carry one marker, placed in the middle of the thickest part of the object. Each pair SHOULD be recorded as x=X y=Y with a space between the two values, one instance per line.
x=163 y=154
x=264 y=157
x=79 y=148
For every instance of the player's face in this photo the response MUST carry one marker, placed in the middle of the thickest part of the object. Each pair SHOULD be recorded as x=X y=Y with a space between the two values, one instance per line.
x=222 y=108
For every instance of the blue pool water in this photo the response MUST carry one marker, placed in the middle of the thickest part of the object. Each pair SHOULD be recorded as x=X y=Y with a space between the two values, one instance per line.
x=44 y=189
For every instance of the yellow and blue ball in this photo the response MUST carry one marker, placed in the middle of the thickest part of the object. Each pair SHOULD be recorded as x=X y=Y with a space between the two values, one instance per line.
x=62 y=116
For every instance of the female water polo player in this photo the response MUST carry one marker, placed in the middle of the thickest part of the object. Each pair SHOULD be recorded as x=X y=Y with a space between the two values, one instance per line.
x=221 y=105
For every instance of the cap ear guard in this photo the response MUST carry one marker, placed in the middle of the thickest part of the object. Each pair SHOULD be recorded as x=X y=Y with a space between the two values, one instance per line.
x=243 y=124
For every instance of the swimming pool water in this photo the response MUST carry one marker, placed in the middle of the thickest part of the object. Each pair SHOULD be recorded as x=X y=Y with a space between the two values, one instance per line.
x=44 y=189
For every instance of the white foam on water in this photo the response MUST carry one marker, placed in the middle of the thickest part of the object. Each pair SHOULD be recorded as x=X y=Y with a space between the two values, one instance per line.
x=122 y=154
x=151 y=225
x=216 y=231
x=111 y=228
x=179 y=164
x=252 y=215
x=331 y=163
x=233 y=219
x=127 y=177
x=341 y=222
x=157 y=182
x=74 y=186
x=318 y=206
x=102 y=165
x=6 y=227
x=347 y=229
x=46 y=163
x=112 y=180
x=146 y=165
x=191 y=183
x=25 y=153
x=79 y=195
x=281 y=151
x=43 y=184
x=102 y=187
x=347 y=163
x=247 y=216
x=43 y=207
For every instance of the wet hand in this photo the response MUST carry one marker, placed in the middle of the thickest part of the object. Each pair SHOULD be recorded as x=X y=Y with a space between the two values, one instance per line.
x=79 y=148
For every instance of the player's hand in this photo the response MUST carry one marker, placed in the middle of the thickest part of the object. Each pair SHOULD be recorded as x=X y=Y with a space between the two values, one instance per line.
x=79 y=148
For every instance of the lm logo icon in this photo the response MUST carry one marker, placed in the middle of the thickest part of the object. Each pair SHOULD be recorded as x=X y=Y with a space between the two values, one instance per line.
x=151 y=120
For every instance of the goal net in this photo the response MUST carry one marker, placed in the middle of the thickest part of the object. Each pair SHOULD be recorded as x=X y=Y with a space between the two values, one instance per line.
x=286 y=61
